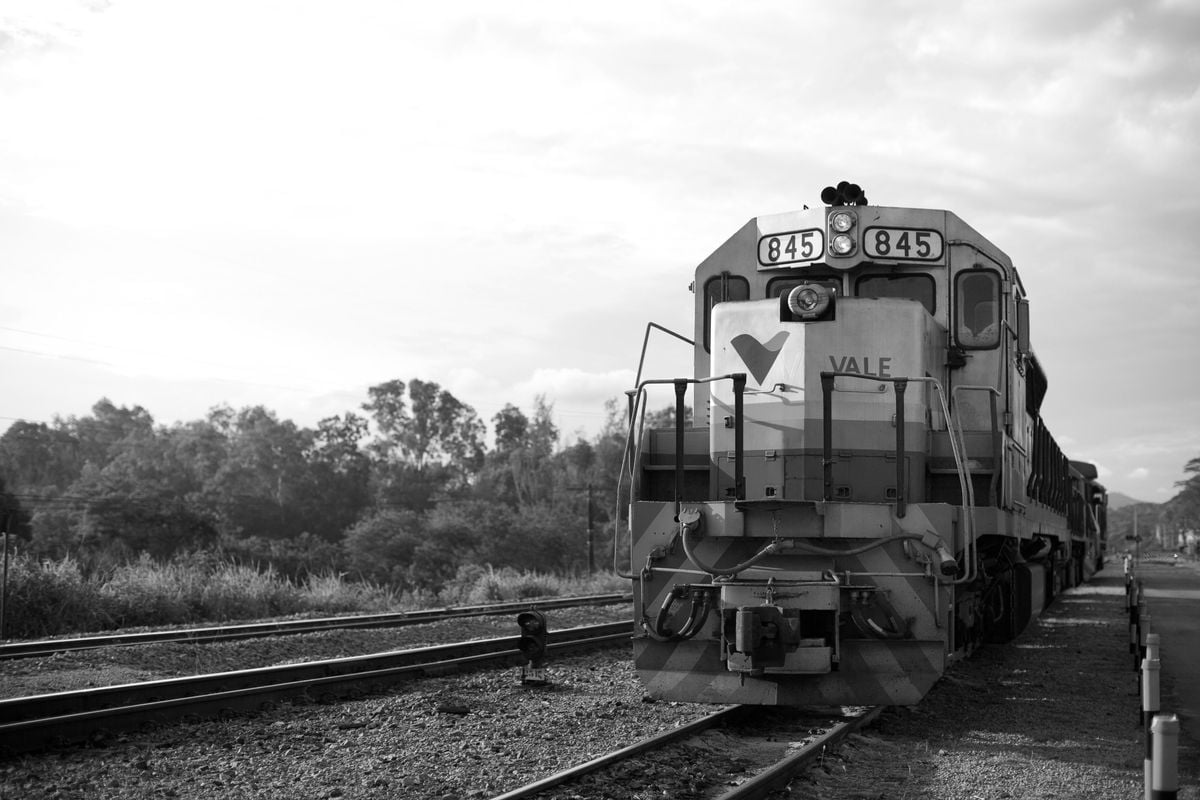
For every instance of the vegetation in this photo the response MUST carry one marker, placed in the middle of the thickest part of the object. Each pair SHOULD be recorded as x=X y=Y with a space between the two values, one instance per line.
x=1170 y=526
x=47 y=598
x=401 y=497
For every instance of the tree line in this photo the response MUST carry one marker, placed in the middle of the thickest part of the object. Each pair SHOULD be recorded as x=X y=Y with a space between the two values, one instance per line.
x=406 y=492
x=1181 y=514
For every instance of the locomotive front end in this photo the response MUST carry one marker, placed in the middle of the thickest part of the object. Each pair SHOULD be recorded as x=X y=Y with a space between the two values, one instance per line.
x=782 y=553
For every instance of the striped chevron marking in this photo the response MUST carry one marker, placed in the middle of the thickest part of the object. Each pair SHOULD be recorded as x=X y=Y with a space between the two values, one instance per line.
x=889 y=671
x=871 y=672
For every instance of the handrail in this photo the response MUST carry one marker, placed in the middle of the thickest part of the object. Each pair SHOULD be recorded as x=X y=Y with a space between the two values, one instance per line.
x=637 y=381
x=997 y=443
x=633 y=443
x=899 y=384
x=627 y=456
x=957 y=449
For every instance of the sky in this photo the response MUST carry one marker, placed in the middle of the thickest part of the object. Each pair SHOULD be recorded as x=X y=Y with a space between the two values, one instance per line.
x=285 y=203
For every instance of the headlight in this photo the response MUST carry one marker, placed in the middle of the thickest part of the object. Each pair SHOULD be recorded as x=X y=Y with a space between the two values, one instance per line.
x=841 y=221
x=808 y=301
x=842 y=245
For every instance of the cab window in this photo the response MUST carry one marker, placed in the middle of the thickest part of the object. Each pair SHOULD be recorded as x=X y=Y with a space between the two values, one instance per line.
x=913 y=287
x=723 y=288
x=977 y=309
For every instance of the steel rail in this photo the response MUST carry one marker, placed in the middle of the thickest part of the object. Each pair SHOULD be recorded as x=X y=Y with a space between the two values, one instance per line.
x=644 y=746
x=777 y=775
x=32 y=723
x=756 y=788
x=218 y=633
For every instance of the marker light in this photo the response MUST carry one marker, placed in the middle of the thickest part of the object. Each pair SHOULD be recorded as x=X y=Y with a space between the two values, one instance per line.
x=842 y=245
x=841 y=221
x=809 y=300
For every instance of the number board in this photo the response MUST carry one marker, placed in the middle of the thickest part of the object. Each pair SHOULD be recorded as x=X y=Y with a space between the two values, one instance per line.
x=903 y=244
x=791 y=247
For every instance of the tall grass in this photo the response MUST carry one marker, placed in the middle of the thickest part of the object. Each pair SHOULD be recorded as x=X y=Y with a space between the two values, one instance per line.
x=47 y=598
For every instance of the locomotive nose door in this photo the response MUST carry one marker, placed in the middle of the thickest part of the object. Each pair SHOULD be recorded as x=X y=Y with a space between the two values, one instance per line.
x=749 y=337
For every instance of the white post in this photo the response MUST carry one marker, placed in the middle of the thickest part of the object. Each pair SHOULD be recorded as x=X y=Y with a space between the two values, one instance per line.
x=1164 y=784
x=1150 y=702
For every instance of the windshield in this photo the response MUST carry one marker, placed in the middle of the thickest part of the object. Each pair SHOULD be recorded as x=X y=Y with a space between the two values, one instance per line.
x=977 y=301
x=913 y=287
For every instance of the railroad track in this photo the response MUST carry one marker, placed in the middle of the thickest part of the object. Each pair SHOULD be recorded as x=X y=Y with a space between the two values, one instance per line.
x=223 y=633
x=65 y=718
x=823 y=733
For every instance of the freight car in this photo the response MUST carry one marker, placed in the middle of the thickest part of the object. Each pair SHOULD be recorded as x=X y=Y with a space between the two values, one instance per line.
x=866 y=489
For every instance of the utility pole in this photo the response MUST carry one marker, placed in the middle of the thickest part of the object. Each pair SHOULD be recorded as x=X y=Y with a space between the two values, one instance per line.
x=4 y=518
x=590 y=489
x=1137 y=539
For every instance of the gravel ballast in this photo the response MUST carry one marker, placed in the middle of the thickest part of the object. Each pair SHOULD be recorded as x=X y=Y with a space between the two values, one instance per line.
x=1053 y=714
x=82 y=669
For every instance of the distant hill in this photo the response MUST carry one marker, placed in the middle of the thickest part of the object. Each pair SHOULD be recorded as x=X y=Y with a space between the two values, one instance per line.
x=1116 y=500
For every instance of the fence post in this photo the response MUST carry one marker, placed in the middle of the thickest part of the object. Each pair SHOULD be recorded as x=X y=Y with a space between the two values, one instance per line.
x=1150 y=703
x=1164 y=784
x=1139 y=650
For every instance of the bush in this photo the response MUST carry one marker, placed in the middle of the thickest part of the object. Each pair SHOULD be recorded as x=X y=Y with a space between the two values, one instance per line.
x=237 y=591
x=474 y=585
x=48 y=598
x=196 y=587
x=380 y=547
x=146 y=592
x=332 y=594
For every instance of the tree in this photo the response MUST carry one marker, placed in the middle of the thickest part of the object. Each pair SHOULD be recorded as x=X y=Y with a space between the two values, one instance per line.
x=533 y=473
x=664 y=418
x=260 y=487
x=13 y=520
x=103 y=436
x=441 y=429
x=336 y=443
x=510 y=426
x=1191 y=486
x=1184 y=509
x=338 y=488
x=142 y=501
x=36 y=457
x=388 y=408
x=436 y=448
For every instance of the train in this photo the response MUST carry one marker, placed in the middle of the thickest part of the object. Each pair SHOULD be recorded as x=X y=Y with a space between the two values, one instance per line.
x=855 y=488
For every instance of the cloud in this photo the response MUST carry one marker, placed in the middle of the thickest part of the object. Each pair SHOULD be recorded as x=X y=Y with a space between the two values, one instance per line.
x=573 y=386
x=499 y=198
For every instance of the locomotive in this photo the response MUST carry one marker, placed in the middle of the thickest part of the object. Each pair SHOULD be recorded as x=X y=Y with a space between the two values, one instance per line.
x=866 y=489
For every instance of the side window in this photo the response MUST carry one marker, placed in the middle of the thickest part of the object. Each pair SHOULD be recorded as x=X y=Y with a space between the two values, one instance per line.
x=723 y=288
x=977 y=309
x=914 y=287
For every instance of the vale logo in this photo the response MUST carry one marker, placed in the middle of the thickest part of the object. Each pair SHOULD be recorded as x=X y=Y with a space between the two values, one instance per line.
x=759 y=357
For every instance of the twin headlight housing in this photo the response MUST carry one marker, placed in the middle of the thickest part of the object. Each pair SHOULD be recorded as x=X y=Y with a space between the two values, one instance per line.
x=841 y=223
